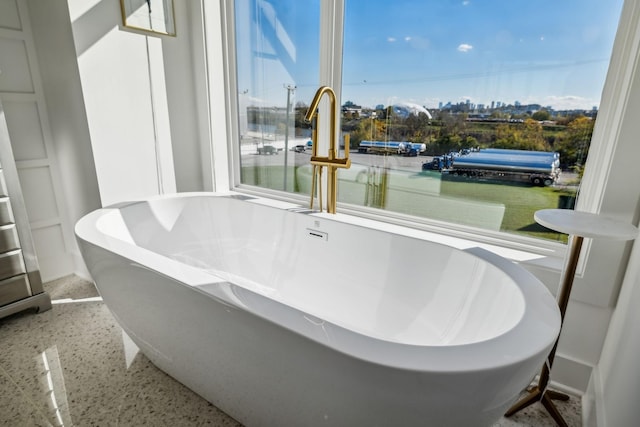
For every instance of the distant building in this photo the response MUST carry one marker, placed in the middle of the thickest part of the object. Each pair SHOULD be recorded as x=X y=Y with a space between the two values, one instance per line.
x=351 y=108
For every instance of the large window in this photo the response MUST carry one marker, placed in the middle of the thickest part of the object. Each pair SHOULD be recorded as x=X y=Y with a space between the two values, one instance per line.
x=474 y=114
x=277 y=49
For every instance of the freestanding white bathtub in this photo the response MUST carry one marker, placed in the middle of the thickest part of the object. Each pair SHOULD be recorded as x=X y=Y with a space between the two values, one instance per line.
x=282 y=317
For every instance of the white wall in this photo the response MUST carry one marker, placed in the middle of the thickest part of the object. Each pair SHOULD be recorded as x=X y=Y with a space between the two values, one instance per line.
x=181 y=55
x=616 y=382
x=23 y=96
x=612 y=395
x=140 y=103
x=114 y=74
x=68 y=121
x=82 y=86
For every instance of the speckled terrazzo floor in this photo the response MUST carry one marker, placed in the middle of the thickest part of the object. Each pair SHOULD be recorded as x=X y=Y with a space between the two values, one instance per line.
x=68 y=367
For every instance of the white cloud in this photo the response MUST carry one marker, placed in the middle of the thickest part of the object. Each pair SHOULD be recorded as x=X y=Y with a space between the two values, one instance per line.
x=561 y=102
x=391 y=39
x=407 y=38
x=466 y=3
x=569 y=102
x=464 y=47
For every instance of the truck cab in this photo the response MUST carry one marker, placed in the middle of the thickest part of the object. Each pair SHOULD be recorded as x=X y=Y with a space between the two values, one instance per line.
x=436 y=164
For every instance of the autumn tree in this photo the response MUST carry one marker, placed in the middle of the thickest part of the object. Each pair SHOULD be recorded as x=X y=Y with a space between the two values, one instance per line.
x=507 y=136
x=360 y=133
x=573 y=143
x=541 y=115
x=533 y=137
x=453 y=124
x=521 y=136
x=417 y=128
x=300 y=111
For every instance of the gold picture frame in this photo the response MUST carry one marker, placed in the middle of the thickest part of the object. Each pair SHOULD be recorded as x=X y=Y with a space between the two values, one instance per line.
x=153 y=16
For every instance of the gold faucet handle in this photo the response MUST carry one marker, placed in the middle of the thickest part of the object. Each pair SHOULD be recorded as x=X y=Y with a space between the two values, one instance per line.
x=344 y=163
x=347 y=142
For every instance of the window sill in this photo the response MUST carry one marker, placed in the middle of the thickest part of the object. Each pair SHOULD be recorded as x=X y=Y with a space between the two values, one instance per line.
x=528 y=251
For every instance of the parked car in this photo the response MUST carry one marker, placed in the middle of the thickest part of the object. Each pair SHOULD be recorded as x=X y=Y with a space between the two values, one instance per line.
x=267 y=149
x=299 y=148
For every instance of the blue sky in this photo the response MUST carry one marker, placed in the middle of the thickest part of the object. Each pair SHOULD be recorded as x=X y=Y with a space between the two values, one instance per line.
x=430 y=51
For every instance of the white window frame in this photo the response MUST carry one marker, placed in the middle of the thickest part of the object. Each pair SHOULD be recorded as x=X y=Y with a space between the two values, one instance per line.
x=224 y=162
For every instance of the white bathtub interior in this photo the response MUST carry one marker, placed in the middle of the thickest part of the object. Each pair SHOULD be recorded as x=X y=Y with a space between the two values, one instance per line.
x=375 y=283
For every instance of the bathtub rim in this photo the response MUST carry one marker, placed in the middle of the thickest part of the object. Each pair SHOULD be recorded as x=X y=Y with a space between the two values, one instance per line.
x=531 y=336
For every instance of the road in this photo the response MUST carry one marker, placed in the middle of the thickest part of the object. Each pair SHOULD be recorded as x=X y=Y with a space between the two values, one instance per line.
x=410 y=164
x=299 y=159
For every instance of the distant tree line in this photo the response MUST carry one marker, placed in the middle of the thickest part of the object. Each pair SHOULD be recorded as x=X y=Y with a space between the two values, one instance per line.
x=446 y=132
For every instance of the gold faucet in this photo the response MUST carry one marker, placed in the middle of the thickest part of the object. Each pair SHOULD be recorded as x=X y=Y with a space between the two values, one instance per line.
x=331 y=161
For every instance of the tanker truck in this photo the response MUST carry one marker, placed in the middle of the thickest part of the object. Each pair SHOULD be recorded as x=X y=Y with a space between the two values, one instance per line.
x=410 y=149
x=536 y=167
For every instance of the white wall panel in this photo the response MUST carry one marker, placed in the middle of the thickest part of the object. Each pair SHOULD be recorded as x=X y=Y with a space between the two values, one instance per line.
x=50 y=24
x=25 y=129
x=39 y=195
x=570 y=375
x=15 y=74
x=9 y=16
x=23 y=96
x=50 y=243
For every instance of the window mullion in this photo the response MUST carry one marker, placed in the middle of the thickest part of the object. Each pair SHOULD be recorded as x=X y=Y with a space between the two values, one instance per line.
x=331 y=40
x=615 y=99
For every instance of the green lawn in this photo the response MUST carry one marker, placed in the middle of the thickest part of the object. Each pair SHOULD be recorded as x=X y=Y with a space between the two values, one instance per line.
x=521 y=202
x=494 y=205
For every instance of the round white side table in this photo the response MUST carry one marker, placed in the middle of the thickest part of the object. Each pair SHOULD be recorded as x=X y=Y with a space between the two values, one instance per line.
x=577 y=225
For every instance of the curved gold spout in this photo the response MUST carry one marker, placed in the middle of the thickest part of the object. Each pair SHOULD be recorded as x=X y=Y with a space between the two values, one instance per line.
x=311 y=112
x=331 y=161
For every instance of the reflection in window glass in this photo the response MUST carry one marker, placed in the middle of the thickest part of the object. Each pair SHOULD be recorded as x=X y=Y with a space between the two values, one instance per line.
x=468 y=112
x=277 y=47
x=477 y=113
